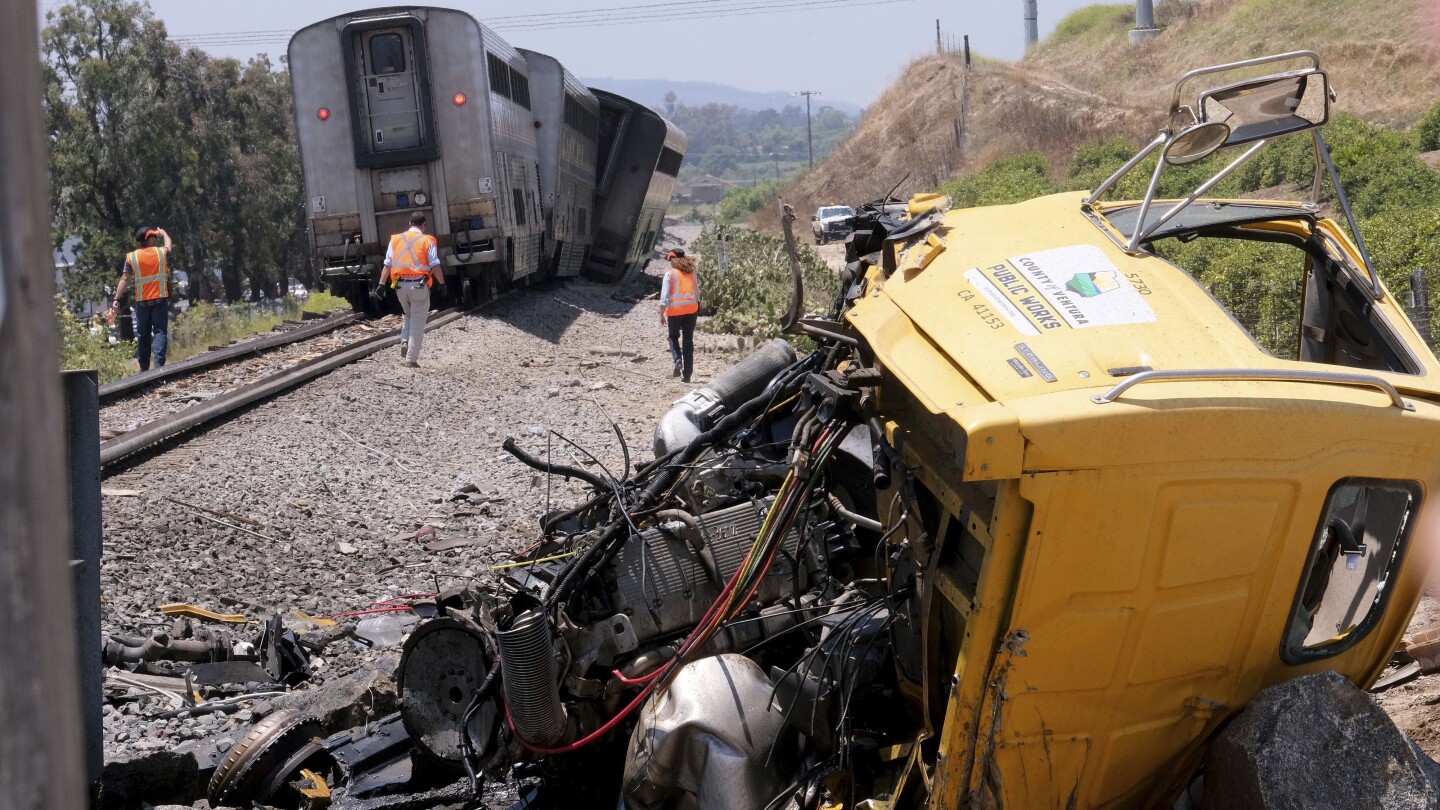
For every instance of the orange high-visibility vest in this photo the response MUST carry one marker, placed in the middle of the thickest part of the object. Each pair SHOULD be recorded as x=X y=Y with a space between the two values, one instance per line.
x=151 y=269
x=683 y=300
x=410 y=257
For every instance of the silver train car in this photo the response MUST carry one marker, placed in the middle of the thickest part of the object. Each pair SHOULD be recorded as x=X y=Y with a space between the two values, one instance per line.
x=410 y=109
x=640 y=156
x=567 y=122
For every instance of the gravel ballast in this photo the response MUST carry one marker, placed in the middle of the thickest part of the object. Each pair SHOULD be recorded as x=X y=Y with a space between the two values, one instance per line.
x=340 y=474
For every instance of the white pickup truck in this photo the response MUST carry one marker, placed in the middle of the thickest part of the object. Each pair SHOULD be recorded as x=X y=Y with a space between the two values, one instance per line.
x=832 y=222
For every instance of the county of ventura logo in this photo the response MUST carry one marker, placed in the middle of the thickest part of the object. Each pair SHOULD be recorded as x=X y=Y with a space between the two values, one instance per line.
x=1089 y=285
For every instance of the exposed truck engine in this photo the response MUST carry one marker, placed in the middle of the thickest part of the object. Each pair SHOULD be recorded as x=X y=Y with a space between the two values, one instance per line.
x=1030 y=520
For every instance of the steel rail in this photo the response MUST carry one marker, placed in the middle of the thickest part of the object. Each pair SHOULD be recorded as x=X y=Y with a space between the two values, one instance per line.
x=166 y=427
x=114 y=390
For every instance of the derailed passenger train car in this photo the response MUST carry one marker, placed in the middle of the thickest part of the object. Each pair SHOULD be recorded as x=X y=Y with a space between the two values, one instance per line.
x=411 y=109
x=640 y=156
x=1037 y=516
x=567 y=120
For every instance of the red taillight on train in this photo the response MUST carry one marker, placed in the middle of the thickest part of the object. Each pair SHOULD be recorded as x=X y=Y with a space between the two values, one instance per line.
x=323 y=113
x=459 y=99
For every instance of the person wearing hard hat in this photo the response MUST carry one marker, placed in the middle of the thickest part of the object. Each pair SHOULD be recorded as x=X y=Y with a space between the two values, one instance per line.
x=412 y=263
x=679 y=304
x=147 y=268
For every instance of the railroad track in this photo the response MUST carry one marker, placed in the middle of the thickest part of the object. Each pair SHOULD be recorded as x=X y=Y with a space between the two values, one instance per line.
x=187 y=419
x=127 y=386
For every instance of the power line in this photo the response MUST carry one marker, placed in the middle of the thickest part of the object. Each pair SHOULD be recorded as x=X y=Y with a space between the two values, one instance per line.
x=611 y=16
x=738 y=11
x=608 y=9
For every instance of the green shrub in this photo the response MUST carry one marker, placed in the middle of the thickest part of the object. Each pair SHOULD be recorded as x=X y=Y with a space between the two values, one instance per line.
x=1380 y=167
x=88 y=346
x=751 y=294
x=1428 y=130
x=742 y=201
x=1094 y=162
x=1011 y=180
x=204 y=325
x=321 y=302
x=1100 y=19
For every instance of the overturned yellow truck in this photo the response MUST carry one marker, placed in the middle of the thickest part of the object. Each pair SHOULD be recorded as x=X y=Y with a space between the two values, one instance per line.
x=1034 y=517
x=1141 y=517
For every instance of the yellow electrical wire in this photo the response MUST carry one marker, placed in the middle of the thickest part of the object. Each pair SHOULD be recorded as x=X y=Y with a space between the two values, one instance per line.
x=523 y=563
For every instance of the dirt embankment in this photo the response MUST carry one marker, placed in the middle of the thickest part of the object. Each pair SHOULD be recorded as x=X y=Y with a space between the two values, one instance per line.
x=942 y=119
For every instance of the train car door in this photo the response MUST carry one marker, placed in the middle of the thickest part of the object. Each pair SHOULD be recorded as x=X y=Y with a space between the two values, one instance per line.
x=391 y=89
x=393 y=119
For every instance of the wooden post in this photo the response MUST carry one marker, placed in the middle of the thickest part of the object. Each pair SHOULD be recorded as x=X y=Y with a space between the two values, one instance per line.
x=40 y=738
x=938 y=49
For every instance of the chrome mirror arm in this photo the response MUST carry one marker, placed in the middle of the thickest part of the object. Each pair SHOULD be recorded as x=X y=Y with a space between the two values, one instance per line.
x=1129 y=164
x=1147 y=202
x=1372 y=282
x=1141 y=231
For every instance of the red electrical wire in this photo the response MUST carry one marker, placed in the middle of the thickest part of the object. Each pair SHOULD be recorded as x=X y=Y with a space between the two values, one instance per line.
x=653 y=679
x=699 y=635
x=640 y=681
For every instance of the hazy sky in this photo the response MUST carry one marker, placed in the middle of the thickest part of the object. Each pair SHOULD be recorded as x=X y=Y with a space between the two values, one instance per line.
x=846 y=49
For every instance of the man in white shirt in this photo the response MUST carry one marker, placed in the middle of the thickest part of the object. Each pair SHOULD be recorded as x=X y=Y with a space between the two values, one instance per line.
x=412 y=264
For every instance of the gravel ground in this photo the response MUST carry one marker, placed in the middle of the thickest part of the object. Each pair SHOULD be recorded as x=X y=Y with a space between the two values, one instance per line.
x=1412 y=705
x=340 y=474
x=176 y=394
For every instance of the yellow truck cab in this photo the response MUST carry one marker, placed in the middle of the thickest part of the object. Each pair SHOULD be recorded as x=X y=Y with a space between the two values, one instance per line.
x=1134 y=513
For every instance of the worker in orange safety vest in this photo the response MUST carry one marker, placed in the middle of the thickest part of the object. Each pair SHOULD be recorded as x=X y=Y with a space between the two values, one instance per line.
x=147 y=269
x=412 y=264
x=679 y=304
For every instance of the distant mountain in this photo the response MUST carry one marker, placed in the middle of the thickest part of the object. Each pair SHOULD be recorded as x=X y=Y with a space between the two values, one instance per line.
x=651 y=93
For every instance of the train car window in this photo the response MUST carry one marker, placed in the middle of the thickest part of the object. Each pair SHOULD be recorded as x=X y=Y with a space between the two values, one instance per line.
x=669 y=163
x=572 y=113
x=580 y=119
x=520 y=87
x=519 y=206
x=387 y=54
x=499 y=75
x=1358 y=546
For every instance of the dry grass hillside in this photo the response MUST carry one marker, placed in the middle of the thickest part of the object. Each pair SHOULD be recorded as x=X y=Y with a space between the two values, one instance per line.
x=1087 y=83
x=940 y=120
x=1382 y=55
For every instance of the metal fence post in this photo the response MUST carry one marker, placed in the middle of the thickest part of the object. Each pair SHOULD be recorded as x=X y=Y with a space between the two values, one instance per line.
x=82 y=433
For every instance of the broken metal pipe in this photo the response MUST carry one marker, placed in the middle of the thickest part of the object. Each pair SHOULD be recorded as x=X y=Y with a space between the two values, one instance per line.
x=163 y=648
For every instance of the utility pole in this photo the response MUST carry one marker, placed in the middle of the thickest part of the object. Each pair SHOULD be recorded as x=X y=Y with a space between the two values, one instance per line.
x=41 y=765
x=1144 y=21
x=1032 y=24
x=938 y=50
x=809 y=140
